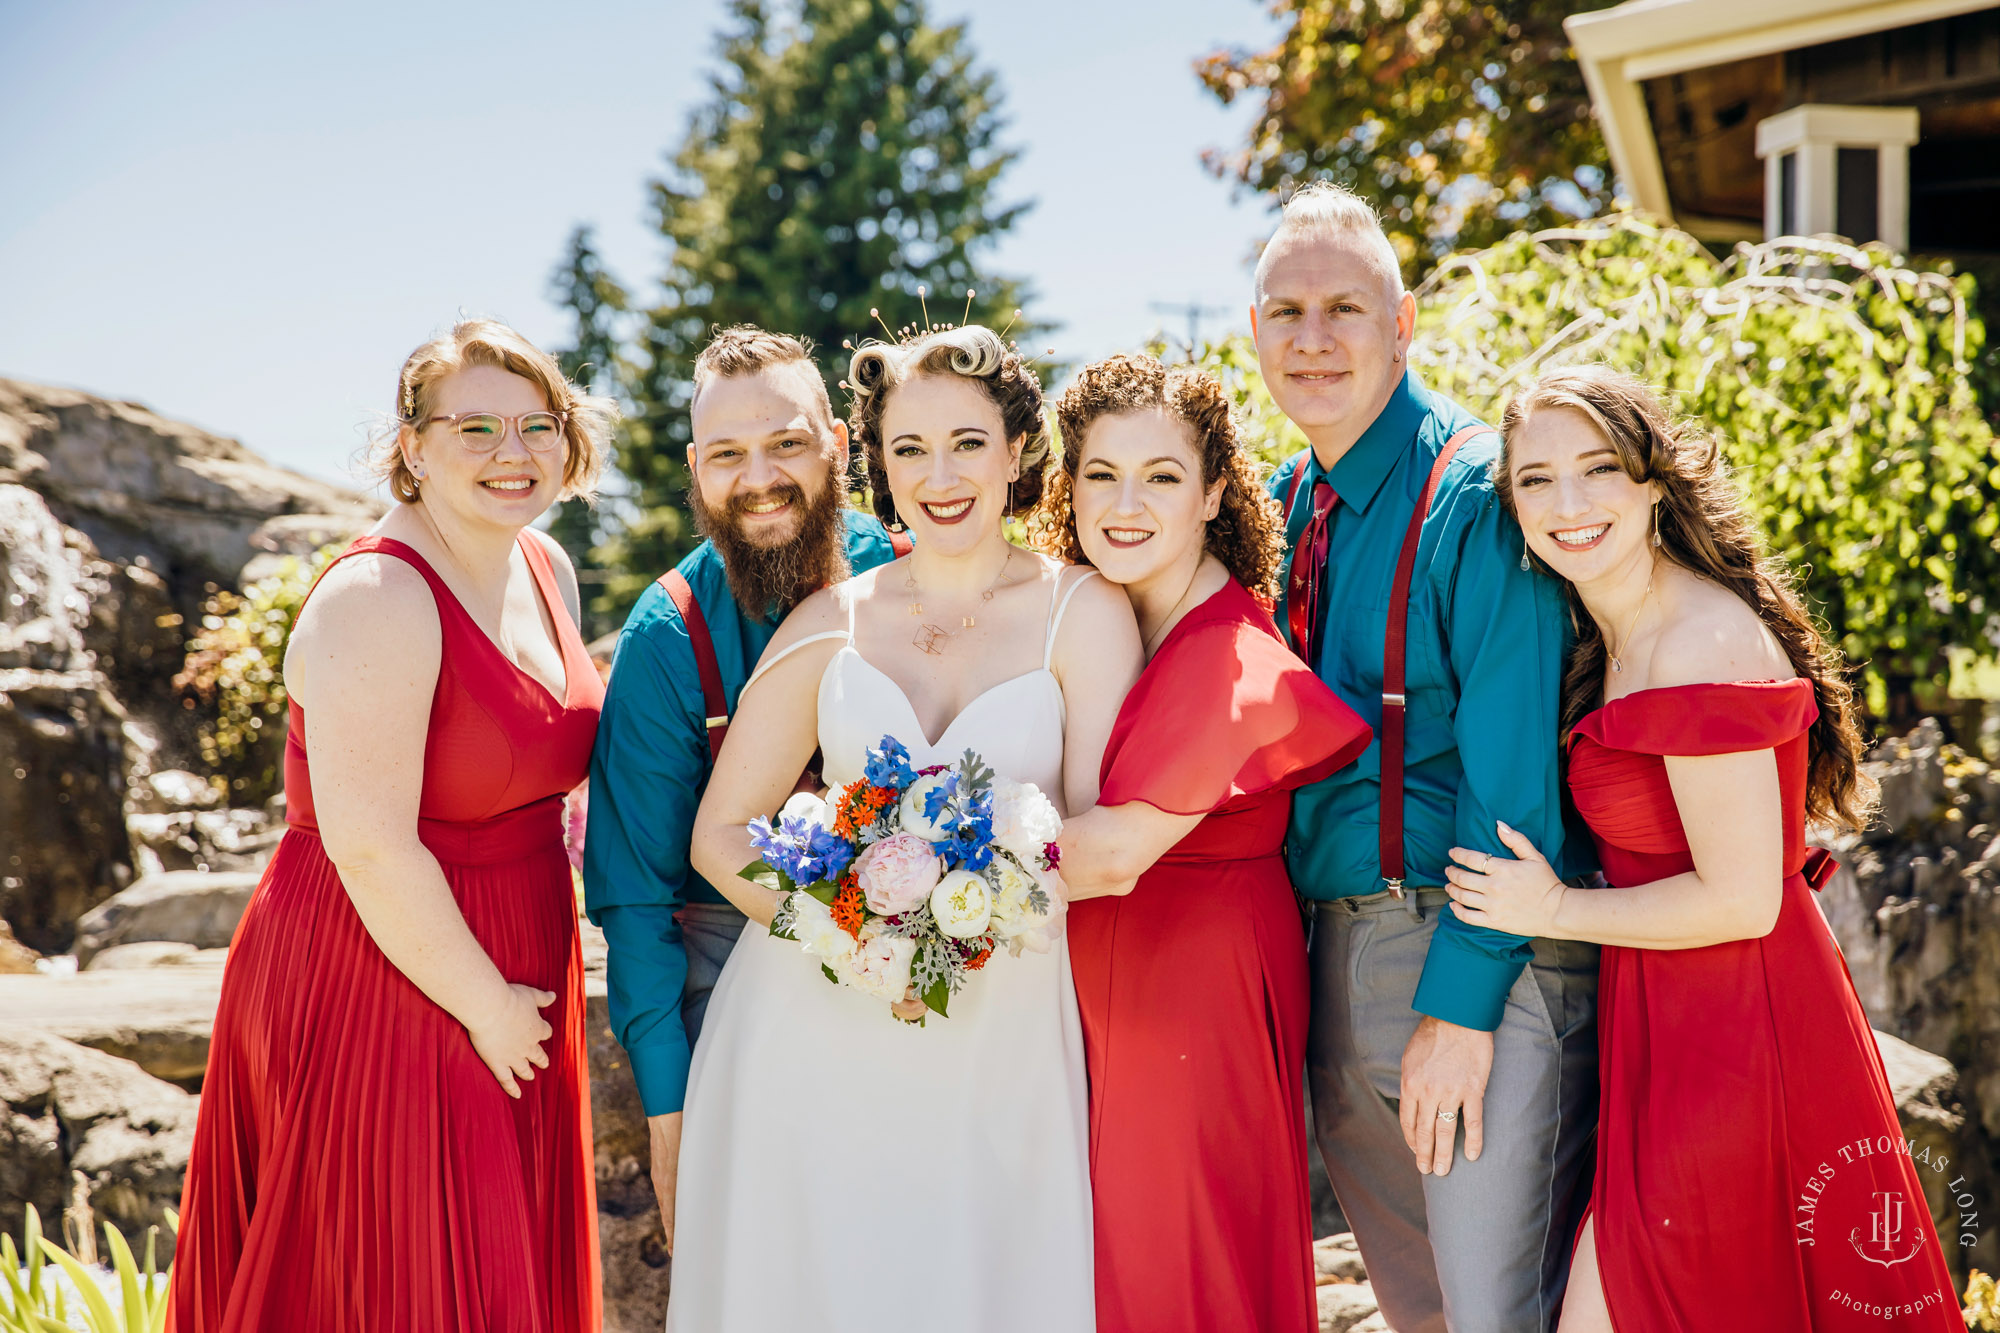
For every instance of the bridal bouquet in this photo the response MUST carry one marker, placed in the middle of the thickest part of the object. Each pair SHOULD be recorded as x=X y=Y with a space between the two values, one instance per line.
x=914 y=877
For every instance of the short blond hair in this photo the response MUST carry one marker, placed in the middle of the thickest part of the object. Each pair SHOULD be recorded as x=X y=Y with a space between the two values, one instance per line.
x=1324 y=208
x=488 y=342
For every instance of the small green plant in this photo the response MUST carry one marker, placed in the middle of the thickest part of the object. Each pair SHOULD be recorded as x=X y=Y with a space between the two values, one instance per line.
x=234 y=674
x=1982 y=1304
x=33 y=1297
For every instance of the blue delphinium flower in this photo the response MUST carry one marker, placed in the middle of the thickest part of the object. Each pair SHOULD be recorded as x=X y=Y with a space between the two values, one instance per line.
x=805 y=852
x=888 y=765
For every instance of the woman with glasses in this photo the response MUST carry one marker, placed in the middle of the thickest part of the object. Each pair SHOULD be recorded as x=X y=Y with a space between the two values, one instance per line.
x=394 y=1129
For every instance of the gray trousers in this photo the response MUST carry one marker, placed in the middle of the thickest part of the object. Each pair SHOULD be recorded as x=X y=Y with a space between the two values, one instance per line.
x=708 y=933
x=1486 y=1248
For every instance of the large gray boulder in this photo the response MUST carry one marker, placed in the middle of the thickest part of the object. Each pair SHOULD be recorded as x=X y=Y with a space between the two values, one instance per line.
x=158 y=1018
x=194 y=907
x=65 y=1109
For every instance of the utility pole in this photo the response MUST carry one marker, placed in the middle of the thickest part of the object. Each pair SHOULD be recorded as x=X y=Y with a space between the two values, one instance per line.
x=1192 y=311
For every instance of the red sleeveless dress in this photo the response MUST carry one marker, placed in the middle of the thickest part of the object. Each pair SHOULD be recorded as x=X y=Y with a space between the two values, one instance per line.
x=1194 y=993
x=1751 y=1172
x=355 y=1164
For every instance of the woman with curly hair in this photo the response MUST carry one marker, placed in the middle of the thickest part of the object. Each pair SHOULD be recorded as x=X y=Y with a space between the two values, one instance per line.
x=1189 y=955
x=1709 y=724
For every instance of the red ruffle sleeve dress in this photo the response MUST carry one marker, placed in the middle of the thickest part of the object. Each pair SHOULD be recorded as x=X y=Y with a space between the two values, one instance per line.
x=1751 y=1172
x=1194 y=992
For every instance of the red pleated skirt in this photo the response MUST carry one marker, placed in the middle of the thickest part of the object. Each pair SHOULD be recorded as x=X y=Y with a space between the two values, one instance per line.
x=1194 y=995
x=355 y=1165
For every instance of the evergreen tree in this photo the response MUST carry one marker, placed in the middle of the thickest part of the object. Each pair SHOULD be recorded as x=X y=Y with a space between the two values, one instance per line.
x=585 y=288
x=847 y=155
x=1462 y=120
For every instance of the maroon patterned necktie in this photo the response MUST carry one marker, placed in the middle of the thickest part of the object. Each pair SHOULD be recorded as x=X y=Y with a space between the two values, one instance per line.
x=1303 y=610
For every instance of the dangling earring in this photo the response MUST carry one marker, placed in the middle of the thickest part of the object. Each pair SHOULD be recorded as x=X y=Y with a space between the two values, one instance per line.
x=1656 y=525
x=1524 y=555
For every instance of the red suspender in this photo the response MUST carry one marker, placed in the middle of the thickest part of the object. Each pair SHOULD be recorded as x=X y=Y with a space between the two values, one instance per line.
x=714 y=704
x=1395 y=654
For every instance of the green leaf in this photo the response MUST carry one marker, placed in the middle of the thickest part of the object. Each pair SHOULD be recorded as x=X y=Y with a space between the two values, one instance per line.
x=127 y=1268
x=829 y=974
x=937 y=997
x=772 y=878
x=102 y=1320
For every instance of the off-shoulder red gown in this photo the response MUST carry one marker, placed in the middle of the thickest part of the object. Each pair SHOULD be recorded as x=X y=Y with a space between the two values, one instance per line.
x=1194 y=992
x=355 y=1164
x=1751 y=1172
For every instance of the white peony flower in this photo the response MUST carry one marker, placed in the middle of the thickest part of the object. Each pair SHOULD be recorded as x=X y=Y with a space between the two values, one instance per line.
x=962 y=905
x=1044 y=930
x=1024 y=820
x=880 y=966
x=806 y=805
x=816 y=930
x=911 y=810
x=1011 y=887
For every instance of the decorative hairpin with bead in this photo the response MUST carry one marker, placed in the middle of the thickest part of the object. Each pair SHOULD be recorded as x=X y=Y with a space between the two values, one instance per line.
x=898 y=337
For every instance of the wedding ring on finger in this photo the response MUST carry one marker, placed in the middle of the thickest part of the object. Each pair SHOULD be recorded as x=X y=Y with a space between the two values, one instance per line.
x=1448 y=1117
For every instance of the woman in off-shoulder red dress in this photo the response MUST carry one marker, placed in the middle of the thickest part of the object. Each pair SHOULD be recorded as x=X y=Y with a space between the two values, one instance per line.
x=360 y=1161
x=1184 y=936
x=1751 y=1171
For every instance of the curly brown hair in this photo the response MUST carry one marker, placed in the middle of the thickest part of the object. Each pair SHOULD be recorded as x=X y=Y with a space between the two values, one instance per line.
x=1247 y=533
x=972 y=352
x=1703 y=527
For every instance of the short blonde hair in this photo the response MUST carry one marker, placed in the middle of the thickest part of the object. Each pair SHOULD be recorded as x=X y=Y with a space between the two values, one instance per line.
x=1323 y=208
x=488 y=342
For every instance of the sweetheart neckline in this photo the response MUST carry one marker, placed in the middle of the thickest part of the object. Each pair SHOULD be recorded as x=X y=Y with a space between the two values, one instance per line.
x=911 y=708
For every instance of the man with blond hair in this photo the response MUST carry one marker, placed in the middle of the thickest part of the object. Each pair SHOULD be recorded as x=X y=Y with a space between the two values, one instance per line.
x=1410 y=593
x=769 y=467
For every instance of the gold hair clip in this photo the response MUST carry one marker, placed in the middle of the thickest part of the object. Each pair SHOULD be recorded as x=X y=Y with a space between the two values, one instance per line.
x=409 y=400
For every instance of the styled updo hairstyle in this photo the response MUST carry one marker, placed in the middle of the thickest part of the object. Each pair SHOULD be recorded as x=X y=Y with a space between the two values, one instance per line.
x=1247 y=533
x=487 y=342
x=1703 y=527
x=971 y=352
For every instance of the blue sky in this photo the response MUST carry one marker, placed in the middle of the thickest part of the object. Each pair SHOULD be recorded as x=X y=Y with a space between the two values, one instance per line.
x=245 y=215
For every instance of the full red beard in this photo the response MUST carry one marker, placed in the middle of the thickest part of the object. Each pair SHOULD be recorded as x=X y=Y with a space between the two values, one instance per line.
x=768 y=581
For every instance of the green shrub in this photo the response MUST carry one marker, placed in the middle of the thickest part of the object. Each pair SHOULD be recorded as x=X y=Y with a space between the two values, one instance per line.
x=234 y=675
x=1838 y=379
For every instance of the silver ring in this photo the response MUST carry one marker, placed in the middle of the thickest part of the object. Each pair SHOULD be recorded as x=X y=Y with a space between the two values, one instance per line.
x=1487 y=864
x=1448 y=1116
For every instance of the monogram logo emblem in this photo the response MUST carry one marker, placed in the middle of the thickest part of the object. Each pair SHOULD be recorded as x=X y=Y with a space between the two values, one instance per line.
x=1891 y=1240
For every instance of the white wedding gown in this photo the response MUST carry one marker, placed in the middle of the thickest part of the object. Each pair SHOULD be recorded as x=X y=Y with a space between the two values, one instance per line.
x=843 y=1171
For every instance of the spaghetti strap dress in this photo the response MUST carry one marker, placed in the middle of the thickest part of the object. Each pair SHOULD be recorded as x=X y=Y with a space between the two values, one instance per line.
x=1194 y=992
x=355 y=1164
x=1751 y=1171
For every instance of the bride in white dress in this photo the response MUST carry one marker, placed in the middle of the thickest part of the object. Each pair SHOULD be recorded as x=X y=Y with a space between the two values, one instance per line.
x=840 y=1170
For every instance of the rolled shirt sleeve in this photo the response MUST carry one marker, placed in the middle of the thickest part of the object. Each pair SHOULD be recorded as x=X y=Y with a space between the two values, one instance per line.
x=646 y=779
x=1506 y=630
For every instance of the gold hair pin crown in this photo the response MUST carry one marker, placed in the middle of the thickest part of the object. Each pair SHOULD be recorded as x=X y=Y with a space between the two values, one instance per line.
x=910 y=332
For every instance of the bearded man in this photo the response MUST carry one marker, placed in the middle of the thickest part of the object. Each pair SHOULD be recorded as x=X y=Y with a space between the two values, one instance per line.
x=769 y=464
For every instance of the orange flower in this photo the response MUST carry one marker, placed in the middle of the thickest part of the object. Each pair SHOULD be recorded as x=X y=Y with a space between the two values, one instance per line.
x=848 y=907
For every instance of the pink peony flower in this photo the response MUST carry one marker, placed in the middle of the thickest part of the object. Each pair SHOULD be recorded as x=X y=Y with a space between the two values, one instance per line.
x=897 y=874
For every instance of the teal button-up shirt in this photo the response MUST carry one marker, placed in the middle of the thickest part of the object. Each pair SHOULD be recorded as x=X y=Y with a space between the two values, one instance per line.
x=647 y=776
x=1484 y=670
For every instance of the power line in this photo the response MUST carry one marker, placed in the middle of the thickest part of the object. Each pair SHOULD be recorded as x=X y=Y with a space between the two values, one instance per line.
x=1192 y=311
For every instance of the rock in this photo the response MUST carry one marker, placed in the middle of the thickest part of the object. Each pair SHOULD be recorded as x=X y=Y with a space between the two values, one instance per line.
x=631 y=1241
x=239 y=839
x=145 y=954
x=161 y=493
x=1916 y=910
x=16 y=958
x=171 y=791
x=191 y=907
x=65 y=1108
x=1337 y=1258
x=159 y=1018
x=1345 y=1307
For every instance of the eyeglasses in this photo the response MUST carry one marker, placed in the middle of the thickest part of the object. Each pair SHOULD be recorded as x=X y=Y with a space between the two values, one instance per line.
x=482 y=432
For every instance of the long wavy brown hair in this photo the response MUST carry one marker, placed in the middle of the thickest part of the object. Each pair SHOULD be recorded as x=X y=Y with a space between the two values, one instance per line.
x=1247 y=533
x=1703 y=527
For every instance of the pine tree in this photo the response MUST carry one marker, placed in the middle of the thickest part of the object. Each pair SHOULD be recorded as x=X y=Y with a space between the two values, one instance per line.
x=583 y=286
x=847 y=156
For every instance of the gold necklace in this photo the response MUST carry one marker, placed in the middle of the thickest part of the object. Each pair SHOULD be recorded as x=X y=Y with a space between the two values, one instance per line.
x=1617 y=664
x=932 y=638
x=1152 y=640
